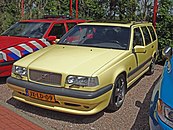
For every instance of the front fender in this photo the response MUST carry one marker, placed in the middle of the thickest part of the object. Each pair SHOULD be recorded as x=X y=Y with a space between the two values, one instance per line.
x=153 y=104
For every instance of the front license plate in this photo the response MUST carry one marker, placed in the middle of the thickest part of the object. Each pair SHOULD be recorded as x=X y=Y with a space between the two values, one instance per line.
x=41 y=96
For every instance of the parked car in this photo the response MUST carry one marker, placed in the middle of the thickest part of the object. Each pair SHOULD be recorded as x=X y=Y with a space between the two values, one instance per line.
x=161 y=106
x=88 y=70
x=28 y=36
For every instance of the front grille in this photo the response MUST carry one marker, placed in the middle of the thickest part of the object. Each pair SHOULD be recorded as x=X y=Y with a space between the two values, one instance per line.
x=45 y=77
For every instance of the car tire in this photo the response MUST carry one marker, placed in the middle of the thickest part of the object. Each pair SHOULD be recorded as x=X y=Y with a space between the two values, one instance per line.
x=118 y=94
x=152 y=66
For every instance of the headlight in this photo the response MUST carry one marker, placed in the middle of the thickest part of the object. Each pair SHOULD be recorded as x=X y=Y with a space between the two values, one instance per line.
x=82 y=80
x=22 y=71
x=165 y=113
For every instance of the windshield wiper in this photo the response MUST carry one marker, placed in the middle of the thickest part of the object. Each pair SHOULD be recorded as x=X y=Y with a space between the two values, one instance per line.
x=97 y=45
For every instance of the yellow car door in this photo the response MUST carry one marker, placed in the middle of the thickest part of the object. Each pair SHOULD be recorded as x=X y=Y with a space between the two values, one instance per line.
x=140 y=52
x=149 y=44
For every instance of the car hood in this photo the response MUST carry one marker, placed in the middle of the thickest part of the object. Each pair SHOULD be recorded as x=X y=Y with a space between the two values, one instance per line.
x=76 y=60
x=9 y=41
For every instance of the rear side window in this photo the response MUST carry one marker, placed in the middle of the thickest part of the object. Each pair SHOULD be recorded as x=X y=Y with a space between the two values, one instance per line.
x=146 y=35
x=58 y=30
x=152 y=32
x=70 y=25
x=137 y=40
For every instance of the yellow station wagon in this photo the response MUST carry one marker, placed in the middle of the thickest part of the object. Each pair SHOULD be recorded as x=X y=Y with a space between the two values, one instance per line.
x=89 y=69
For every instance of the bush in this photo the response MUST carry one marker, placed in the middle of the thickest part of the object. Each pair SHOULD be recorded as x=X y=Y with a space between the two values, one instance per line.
x=164 y=26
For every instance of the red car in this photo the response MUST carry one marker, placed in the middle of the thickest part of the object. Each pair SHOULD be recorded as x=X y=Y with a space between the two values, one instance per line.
x=28 y=36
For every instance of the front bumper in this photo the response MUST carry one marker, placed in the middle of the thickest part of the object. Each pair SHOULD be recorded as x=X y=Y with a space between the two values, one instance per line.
x=6 y=68
x=157 y=124
x=67 y=100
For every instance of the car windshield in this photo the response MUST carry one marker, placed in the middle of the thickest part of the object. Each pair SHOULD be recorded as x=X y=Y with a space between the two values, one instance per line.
x=98 y=36
x=27 y=29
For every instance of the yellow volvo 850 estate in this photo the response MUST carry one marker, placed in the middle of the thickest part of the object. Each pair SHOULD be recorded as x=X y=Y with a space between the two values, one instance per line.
x=88 y=70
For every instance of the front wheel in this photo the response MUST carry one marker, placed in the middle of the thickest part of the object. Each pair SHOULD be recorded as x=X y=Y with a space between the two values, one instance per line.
x=118 y=94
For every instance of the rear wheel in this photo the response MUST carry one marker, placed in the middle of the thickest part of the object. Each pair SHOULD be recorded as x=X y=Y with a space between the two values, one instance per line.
x=118 y=94
x=152 y=66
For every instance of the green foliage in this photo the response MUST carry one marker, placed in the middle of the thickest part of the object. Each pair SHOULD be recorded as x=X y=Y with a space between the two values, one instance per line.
x=126 y=9
x=9 y=14
x=57 y=7
x=88 y=9
x=165 y=23
x=91 y=9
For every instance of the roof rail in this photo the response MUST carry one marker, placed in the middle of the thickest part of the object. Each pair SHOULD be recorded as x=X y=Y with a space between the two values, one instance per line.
x=138 y=22
x=111 y=21
x=120 y=21
x=56 y=17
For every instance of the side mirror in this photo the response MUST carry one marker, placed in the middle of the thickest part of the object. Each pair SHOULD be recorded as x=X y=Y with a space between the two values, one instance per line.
x=139 y=49
x=51 y=38
x=167 y=52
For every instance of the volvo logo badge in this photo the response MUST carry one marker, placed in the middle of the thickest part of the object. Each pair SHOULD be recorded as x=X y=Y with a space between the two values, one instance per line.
x=43 y=76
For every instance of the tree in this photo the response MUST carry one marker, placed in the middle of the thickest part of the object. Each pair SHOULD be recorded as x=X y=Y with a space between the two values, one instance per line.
x=9 y=13
x=34 y=8
x=164 y=23
x=146 y=9
x=57 y=7
x=91 y=9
